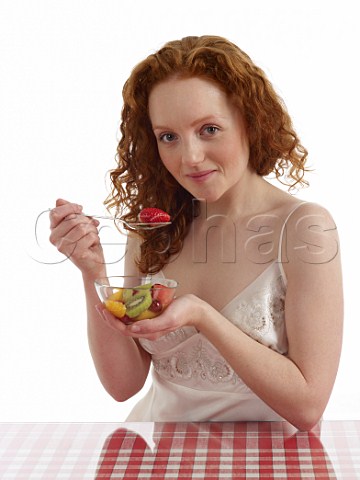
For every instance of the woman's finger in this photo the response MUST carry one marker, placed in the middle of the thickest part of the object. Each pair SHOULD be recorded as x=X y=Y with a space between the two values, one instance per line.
x=111 y=320
x=72 y=228
x=79 y=248
x=59 y=213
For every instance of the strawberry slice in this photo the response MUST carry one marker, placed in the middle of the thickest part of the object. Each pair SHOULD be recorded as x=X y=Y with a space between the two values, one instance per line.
x=162 y=294
x=153 y=215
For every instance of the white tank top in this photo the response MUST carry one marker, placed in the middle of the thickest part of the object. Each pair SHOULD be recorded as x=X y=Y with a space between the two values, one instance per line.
x=193 y=382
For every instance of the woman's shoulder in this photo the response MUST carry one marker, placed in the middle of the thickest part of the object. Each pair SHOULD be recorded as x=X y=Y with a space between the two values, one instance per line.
x=310 y=234
x=298 y=212
x=292 y=208
x=307 y=228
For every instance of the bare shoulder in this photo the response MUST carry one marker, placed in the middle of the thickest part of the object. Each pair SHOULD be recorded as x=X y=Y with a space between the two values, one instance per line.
x=302 y=220
x=300 y=208
x=289 y=207
x=311 y=234
x=311 y=247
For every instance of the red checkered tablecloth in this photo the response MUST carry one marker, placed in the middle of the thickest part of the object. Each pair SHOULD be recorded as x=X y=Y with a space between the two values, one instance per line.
x=178 y=450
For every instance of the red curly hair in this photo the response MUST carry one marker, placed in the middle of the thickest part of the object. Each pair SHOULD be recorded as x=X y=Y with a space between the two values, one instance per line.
x=140 y=179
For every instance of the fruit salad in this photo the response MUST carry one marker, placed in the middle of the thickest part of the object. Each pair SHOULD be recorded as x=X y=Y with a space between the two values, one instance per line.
x=153 y=215
x=138 y=303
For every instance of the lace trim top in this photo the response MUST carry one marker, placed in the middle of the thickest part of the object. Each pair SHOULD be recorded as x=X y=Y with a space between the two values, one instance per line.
x=186 y=364
x=186 y=356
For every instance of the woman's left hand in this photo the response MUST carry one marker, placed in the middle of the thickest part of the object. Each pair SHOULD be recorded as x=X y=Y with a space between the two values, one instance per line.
x=185 y=310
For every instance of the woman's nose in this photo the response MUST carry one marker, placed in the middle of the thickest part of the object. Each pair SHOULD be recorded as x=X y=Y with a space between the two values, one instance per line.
x=192 y=153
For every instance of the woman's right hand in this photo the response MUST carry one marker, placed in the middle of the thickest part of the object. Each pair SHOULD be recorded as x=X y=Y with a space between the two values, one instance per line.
x=76 y=236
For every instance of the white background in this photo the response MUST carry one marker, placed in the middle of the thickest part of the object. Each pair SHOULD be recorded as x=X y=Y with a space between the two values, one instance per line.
x=62 y=68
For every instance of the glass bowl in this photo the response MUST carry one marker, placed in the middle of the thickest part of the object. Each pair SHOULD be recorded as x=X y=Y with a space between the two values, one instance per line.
x=132 y=298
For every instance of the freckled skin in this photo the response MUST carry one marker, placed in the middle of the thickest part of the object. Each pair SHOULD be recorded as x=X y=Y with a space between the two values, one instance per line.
x=199 y=130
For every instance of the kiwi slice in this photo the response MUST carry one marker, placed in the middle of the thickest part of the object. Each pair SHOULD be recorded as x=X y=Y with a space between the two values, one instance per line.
x=138 y=303
x=146 y=286
x=129 y=293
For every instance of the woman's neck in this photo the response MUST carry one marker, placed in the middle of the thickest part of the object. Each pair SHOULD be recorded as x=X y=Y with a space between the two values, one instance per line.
x=242 y=200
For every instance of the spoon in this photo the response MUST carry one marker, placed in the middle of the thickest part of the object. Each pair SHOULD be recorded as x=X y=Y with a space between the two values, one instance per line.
x=131 y=225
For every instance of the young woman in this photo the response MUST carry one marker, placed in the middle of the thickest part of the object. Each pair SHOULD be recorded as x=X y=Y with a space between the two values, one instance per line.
x=256 y=327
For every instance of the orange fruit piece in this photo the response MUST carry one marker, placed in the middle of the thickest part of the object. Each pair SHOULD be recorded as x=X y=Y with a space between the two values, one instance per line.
x=116 y=308
x=117 y=295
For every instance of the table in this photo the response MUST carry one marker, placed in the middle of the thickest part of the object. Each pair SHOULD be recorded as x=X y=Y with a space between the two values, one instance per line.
x=178 y=450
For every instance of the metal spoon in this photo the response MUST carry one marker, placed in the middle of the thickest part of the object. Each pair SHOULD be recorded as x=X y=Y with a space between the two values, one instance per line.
x=132 y=225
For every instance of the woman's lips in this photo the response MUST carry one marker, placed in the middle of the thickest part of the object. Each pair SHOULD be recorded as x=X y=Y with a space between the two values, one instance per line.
x=201 y=176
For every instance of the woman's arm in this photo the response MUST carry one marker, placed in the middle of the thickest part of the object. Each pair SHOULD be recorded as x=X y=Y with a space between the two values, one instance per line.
x=297 y=385
x=122 y=365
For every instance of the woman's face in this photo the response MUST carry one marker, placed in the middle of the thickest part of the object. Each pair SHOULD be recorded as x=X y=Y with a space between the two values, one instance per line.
x=201 y=136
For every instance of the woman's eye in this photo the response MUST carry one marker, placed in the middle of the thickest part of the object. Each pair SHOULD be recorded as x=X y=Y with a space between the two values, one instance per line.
x=210 y=129
x=167 y=137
